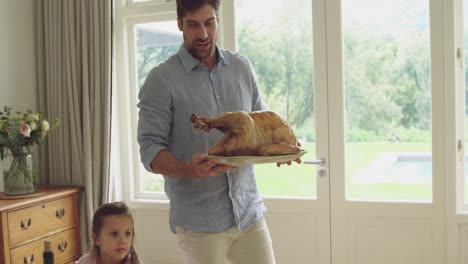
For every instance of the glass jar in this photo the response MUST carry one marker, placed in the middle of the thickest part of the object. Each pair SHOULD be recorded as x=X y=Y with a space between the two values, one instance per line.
x=19 y=177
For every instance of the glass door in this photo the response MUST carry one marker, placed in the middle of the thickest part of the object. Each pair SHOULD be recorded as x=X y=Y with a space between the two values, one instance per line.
x=386 y=91
x=285 y=41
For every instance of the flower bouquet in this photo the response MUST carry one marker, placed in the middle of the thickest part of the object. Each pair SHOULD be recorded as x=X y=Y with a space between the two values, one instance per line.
x=20 y=131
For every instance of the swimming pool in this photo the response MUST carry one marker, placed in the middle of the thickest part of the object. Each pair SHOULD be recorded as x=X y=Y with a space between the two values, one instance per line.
x=399 y=168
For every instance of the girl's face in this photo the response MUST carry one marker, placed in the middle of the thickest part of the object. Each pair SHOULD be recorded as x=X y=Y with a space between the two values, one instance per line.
x=115 y=238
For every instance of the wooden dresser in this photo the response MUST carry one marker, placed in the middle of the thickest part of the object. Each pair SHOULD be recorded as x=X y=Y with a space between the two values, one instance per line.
x=27 y=223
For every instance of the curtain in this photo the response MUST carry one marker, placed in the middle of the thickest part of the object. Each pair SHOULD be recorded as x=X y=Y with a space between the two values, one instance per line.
x=74 y=76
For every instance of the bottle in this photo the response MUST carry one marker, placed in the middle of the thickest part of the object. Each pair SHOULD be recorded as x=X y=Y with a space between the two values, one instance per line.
x=48 y=254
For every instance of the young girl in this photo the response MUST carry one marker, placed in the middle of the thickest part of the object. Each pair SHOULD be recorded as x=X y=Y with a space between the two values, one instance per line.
x=113 y=235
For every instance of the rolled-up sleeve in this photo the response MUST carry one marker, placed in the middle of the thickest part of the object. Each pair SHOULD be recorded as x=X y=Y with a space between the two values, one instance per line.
x=154 y=118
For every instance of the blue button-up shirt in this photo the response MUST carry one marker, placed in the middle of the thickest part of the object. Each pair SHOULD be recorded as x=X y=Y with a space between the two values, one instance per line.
x=173 y=91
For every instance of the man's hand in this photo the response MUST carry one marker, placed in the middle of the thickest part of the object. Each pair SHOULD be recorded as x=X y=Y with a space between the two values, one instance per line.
x=166 y=163
x=200 y=166
x=278 y=164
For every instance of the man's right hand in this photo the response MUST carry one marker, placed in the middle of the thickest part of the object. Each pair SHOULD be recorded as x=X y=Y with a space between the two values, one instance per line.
x=166 y=164
x=200 y=166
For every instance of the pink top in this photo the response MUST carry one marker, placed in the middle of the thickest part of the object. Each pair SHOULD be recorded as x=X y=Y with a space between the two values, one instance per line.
x=91 y=259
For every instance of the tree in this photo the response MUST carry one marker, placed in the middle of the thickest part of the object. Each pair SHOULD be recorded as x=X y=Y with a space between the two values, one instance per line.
x=283 y=60
x=150 y=56
x=413 y=75
x=368 y=64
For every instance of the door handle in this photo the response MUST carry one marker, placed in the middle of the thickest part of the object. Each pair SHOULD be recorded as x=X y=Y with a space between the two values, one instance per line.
x=320 y=162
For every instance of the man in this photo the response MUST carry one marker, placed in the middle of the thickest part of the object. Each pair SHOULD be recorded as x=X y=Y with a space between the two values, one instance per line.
x=216 y=210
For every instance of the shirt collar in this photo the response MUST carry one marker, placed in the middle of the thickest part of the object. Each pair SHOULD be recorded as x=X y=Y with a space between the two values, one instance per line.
x=189 y=62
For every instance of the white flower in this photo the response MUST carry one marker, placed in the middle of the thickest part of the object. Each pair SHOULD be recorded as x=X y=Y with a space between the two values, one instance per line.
x=25 y=130
x=32 y=117
x=45 y=125
x=32 y=125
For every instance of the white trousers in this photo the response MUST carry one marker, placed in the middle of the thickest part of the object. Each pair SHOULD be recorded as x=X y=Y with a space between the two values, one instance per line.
x=251 y=246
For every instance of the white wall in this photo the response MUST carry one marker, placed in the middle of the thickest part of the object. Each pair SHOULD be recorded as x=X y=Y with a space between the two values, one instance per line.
x=18 y=70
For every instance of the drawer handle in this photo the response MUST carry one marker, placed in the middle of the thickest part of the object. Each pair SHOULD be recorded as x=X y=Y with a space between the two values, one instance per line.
x=29 y=260
x=60 y=213
x=26 y=224
x=62 y=246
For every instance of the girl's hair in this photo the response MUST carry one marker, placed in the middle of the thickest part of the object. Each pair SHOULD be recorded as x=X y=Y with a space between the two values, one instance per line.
x=110 y=209
x=184 y=6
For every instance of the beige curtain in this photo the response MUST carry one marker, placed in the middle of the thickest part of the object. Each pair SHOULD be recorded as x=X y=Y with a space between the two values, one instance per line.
x=74 y=69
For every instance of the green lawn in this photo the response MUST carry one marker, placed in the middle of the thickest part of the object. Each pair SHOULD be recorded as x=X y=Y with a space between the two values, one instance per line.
x=299 y=180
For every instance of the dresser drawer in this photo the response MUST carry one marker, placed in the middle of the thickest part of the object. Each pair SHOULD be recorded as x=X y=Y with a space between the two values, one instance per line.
x=35 y=221
x=64 y=245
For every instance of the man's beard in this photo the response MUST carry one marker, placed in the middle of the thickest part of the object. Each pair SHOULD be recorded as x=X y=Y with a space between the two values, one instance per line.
x=201 y=55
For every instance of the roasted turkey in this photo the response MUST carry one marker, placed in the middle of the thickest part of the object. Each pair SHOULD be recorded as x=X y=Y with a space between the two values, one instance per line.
x=262 y=133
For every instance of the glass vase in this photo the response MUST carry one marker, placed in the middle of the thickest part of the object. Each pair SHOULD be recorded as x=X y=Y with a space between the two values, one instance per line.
x=19 y=177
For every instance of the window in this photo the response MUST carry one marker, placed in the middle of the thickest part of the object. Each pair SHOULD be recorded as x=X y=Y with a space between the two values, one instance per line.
x=286 y=81
x=155 y=42
x=147 y=37
x=387 y=67
x=388 y=100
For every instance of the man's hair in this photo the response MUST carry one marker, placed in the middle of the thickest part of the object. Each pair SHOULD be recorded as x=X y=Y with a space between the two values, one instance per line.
x=184 y=6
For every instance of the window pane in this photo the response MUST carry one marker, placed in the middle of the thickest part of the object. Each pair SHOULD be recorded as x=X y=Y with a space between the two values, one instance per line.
x=388 y=100
x=278 y=42
x=155 y=42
